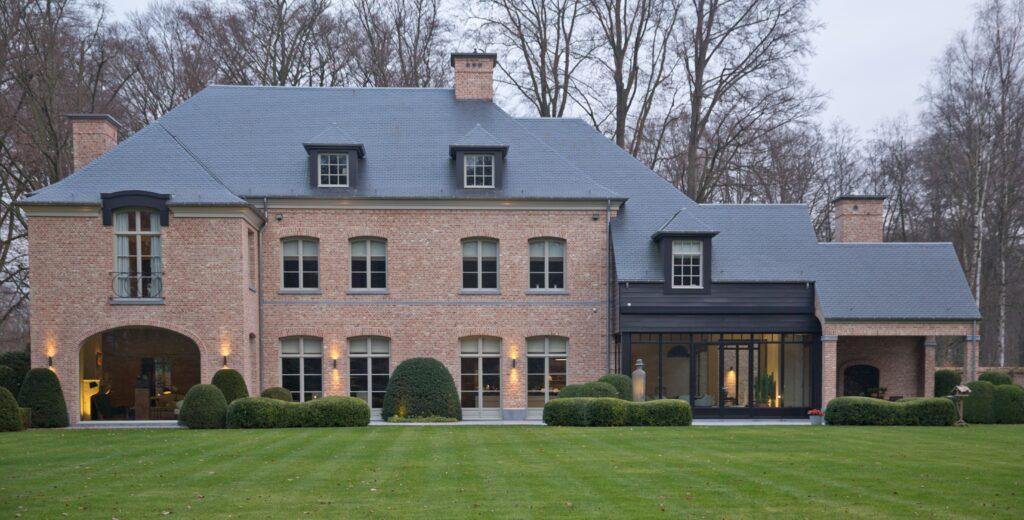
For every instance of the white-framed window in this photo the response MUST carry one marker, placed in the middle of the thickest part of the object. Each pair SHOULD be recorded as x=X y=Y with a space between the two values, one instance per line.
x=479 y=263
x=686 y=264
x=369 y=263
x=137 y=254
x=546 y=362
x=302 y=364
x=547 y=263
x=300 y=263
x=369 y=367
x=481 y=372
x=333 y=169
x=478 y=170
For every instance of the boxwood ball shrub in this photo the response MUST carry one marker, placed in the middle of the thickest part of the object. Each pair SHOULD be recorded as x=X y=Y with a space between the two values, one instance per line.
x=912 y=411
x=8 y=379
x=591 y=389
x=978 y=407
x=231 y=384
x=10 y=417
x=661 y=412
x=1008 y=404
x=20 y=363
x=945 y=381
x=256 y=412
x=996 y=377
x=421 y=387
x=622 y=383
x=41 y=392
x=204 y=408
x=276 y=392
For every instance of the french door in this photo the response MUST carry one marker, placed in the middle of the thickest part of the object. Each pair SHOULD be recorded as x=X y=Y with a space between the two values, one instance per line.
x=725 y=376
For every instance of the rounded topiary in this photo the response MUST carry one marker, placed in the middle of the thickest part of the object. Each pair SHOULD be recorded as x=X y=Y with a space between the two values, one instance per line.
x=20 y=363
x=421 y=387
x=8 y=379
x=204 y=408
x=1008 y=404
x=661 y=412
x=591 y=389
x=276 y=392
x=10 y=416
x=334 y=412
x=996 y=377
x=569 y=411
x=945 y=381
x=41 y=392
x=622 y=383
x=978 y=407
x=256 y=412
x=231 y=384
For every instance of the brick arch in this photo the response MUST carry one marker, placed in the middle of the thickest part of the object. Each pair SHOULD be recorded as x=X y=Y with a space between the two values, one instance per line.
x=158 y=324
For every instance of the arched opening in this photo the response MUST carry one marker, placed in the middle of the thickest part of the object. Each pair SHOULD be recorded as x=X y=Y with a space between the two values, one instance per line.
x=136 y=373
x=860 y=380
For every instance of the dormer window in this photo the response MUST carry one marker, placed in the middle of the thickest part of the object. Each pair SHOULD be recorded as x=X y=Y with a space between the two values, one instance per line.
x=687 y=264
x=333 y=169
x=478 y=170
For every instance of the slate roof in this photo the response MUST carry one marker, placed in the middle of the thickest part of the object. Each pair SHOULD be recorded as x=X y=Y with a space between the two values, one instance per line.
x=684 y=221
x=479 y=139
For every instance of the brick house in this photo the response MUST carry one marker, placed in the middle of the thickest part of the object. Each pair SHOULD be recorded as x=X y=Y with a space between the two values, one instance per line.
x=313 y=238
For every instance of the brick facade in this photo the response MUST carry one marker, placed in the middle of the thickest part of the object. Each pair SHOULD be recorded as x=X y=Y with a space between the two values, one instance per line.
x=93 y=136
x=900 y=362
x=858 y=219
x=474 y=77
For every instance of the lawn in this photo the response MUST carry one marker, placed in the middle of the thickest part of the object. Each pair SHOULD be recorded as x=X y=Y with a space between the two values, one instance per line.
x=516 y=472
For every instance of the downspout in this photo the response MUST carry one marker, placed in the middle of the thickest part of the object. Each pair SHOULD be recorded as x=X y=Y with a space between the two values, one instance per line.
x=259 y=290
x=611 y=288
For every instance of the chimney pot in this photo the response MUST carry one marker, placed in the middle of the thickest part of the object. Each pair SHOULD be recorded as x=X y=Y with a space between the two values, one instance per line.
x=92 y=135
x=859 y=218
x=474 y=75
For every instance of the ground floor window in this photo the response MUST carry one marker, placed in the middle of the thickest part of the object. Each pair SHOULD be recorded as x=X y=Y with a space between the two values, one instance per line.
x=545 y=369
x=302 y=359
x=481 y=372
x=369 y=360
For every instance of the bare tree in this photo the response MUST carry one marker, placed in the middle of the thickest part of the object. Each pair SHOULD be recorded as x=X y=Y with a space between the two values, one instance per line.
x=893 y=172
x=402 y=43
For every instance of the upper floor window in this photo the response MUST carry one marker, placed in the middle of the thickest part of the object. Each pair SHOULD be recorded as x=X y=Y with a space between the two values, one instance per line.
x=301 y=263
x=138 y=270
x=302 y=363
x=479 y=264
x=333 y=170
x=479 y=170
x=686 y=264
x=369 y=263
x=547 y=263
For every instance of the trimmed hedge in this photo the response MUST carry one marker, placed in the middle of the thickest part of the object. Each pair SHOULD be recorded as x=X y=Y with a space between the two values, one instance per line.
x=41 y=392
x=10 y=416
x=256 y=412
x=622 y=383
x=868 y=411
x=9 y=379
x=663 y=412
x=945 y=381
x=421 y=387
x=978 y=407
x=25 y=414
x=231 y=384
x=265 y=412
x=1008 y=404
x=566 y=411
x=996 y=377
x=610 y=411
x=329 y=412
x=927 y=411
x=276 y=392
x=591 y=389
x=204 y=408
x=20 y=362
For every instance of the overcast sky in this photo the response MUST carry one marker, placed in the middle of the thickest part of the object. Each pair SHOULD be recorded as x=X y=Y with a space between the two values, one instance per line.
x=872 y=56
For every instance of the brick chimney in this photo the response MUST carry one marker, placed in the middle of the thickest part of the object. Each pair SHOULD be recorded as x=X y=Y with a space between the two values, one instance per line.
x=474 y=75
x=92 y=135
x=858 y=218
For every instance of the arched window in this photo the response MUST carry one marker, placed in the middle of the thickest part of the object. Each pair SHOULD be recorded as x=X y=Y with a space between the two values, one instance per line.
x=547 y=264
x=545 y=369
x=479 y=264
x=369 y=366
x=137 y=260
x=369 y=263
x=300 y=259
x=481 y=372
x=302 y=365
x=860 y=380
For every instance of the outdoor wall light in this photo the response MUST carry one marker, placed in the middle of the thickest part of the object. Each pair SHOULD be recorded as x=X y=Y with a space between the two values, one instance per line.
x=225 y=358
x=49 y=361
x=513 y=362
x=334 y=363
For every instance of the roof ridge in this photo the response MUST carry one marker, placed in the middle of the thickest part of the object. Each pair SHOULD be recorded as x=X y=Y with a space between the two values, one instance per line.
x=885 y=243
x=319 y=87
x=751 y=204
x=198 y=161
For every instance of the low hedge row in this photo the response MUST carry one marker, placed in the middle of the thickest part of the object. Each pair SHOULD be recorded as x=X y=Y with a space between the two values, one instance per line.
x=591 y=389
x=279 y=393
x=868 y=411
x=10 y=414
x=996 y=377
x=266 y=412
x=611 y=411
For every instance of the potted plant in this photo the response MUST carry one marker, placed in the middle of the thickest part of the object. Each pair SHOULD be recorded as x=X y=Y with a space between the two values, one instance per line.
x=817 y=417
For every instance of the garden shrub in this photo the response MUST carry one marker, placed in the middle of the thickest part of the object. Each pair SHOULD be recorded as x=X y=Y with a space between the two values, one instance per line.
x=20 y=363
x=622 y=383
x=397 y=419
x=26 y=417
x=231 y=384
x=276 y=392
x=910 y=411
x=661 y=412
x=978 y=407
x=606 y=411
x=204 y=408
x=591 y=389
x=945 y=381
x=256 y=412
x=1008 y=404
x=334 y=412
x=10 y=416
x=41 y=392
x=421 y=387
x=8 y=379
x=996 y=377
x=926 y=411
x=566 y=411
x=266 y=412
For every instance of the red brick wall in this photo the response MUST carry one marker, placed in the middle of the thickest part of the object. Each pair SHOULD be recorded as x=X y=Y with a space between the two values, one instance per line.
x=900 y=362
x=474 y=78
x=92 y=138
x=858 y=220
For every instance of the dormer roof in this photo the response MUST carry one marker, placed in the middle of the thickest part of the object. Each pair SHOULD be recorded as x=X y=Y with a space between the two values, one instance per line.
x=478 y=139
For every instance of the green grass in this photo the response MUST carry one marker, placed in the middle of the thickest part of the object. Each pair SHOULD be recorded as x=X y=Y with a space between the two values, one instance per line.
x=516 y=472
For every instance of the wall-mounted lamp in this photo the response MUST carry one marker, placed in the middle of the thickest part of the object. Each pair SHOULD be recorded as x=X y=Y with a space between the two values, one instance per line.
x=49 y=361
x=225 y=358
x=513 y=362
x=334 y=363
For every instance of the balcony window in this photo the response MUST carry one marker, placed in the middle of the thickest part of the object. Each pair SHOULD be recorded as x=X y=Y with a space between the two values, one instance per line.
x=138 y=271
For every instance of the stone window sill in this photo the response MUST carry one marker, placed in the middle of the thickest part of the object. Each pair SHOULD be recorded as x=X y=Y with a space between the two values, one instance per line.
x=299 y=291
x=486 y=292
x=548 y=292
x=136 y=301
x=367 y=291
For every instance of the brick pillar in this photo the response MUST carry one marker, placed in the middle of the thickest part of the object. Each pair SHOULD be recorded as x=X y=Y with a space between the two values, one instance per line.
x=474 y=73
x=971 y=347
x=928 y=378
x=829 y=358
x=92 y=135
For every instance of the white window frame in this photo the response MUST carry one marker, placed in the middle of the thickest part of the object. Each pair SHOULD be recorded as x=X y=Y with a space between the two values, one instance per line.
x=679 y=263
x=479 y=355
x=547 y=355
x=302 y=356
x=302 y=272
x=368 y=241
x=342 y=165
x=479 y=262
x=123 y=237
x=482 y=171
x=369 y=356
x=547 y=264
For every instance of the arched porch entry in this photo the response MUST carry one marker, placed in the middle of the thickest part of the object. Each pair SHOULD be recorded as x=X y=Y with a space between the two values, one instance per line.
x=136 y=373
x=861 y=379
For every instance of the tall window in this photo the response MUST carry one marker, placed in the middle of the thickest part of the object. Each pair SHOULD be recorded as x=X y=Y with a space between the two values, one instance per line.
x=253 y=264
x=137 y=254
x=302 y=363
x=369 y=264
x=481 y=372
x=301 y=263
x=479 y=170
x=547 y=263
x=479 y=264
x=333 y=170
x=369 y=360
x=545 y=369
x=686 y=259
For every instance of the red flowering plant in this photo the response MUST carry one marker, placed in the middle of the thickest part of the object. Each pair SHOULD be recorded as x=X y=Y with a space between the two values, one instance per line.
x=815 y=412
